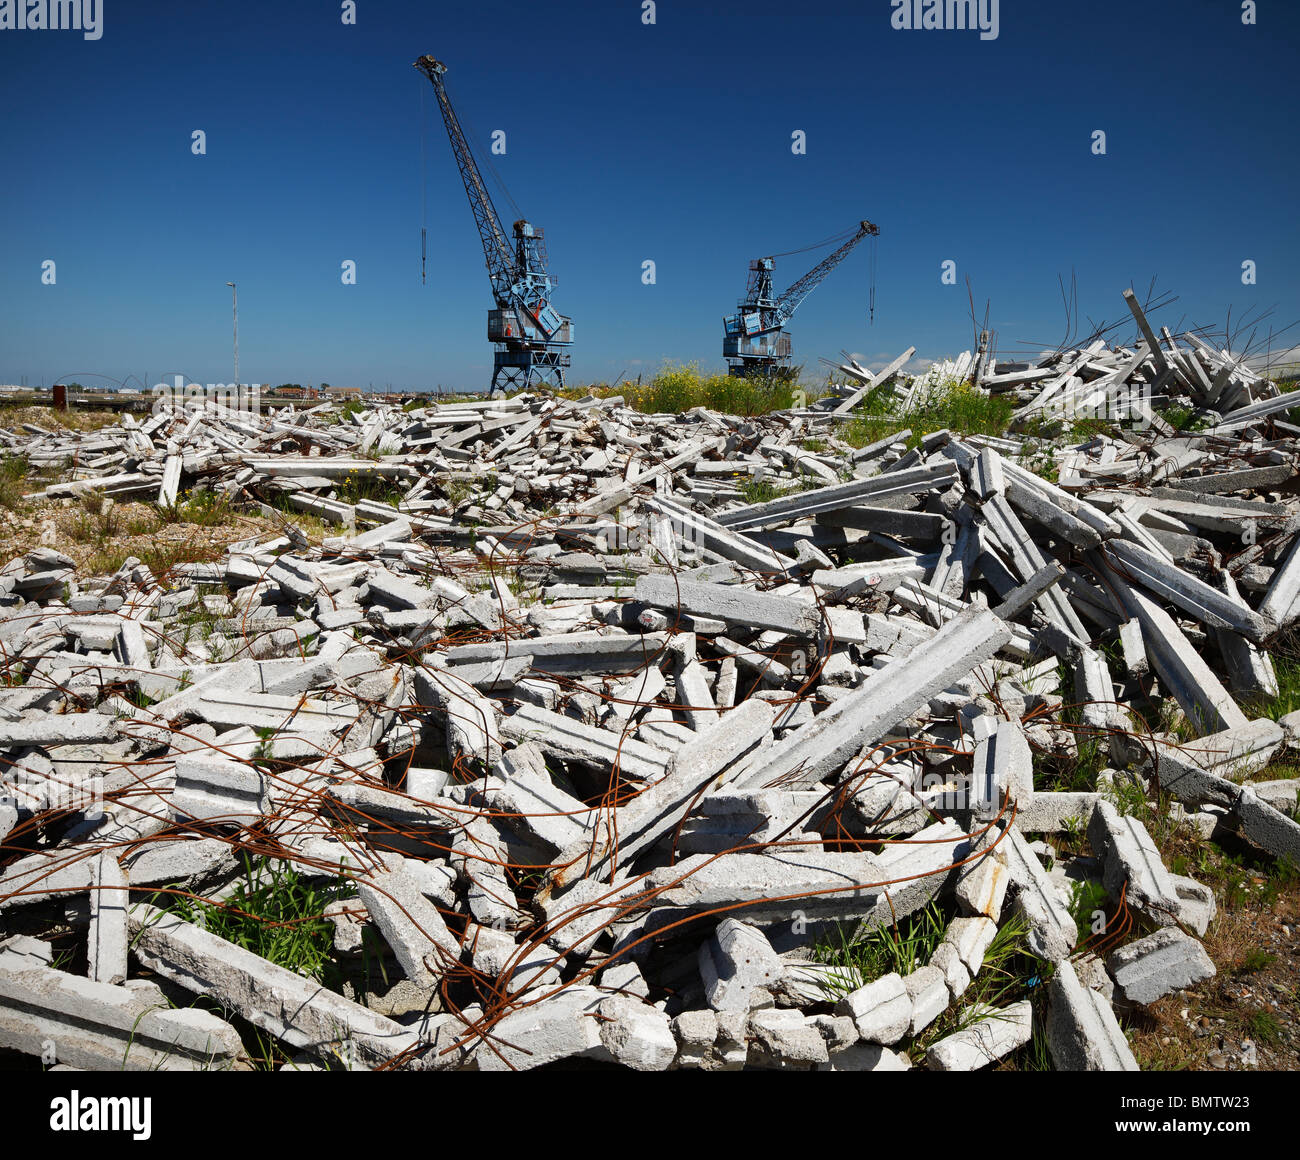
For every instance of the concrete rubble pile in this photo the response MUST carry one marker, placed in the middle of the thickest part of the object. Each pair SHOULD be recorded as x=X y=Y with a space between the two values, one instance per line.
x=598 y=759
x=1130 y=383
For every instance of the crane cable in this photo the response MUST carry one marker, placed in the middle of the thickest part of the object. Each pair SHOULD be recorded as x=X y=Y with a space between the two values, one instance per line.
x=472 y=135
x=871 y=300
x=840 y=237
x=424 y=186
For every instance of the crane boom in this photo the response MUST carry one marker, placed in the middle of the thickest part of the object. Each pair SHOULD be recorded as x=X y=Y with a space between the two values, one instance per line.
x=529 y=333
x=788 y=303
x=496 y=249
x=754 y=339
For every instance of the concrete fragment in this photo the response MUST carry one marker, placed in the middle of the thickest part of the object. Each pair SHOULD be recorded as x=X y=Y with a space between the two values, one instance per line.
x=108 y=937
x=1082 y=1031
x=733 y=962
x=296 y=1010
x=995 y=1034
x=881 y=1011
x=58 y=1017
x=1154 y=966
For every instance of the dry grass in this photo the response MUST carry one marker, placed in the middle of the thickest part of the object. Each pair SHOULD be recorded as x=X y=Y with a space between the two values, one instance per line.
x=72 y=419
x=1254 y=943
x=99 y=539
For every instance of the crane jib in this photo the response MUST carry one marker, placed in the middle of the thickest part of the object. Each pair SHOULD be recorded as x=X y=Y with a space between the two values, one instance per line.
x=531 y=337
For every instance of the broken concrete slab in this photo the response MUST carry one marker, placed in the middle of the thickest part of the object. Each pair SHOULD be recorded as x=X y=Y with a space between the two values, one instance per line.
x=1154 y=966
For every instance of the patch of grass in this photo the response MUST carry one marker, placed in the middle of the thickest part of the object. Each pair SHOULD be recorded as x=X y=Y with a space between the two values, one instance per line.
x=358 y=485
x=276 y=913
x=73 y=419
x=761 y=490
x=959 y=407
x=13 y=470
x=1265 y=1027
x=1010 y=972
x=201 y=507
x=1071 y=773
x=1256 y=959
x=457 y=491
x=903 y=948
x=1185 y=418
x=1126 y=794
x=1086 y=898
x=1287 y=700
x=677 y=388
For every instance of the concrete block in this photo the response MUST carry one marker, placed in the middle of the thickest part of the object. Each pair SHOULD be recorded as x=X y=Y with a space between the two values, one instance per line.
x=656 y=811
x=1003 y=764
x=829 y=885
x=927 y=987
x=822 y=746
x=971 y=938
x=955 y=975
x=296 y=1010
x=1129 y=856
x=108 y=936
x=625 y=976
x=561 y=1026
x=695 y=1032
x=1155 y=966
x=1052 y=930
x=882 y=1010
x=411 y=925
x=637 y=1035
x=785 y=1040
x=994 y=1036
x=1267 y=827
x=733 y=962
x=42 y=730
x=982 y=886
x=101 y=1027
x=1196 y=906
x=866 y=1057
x=1082 y=1031
x=1053 y=812
x=219 y=790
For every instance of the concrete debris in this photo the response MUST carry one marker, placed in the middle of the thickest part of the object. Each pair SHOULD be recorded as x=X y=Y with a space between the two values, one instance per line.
x=605 y=752
x=992 y=1034
x=735 y=962
x=1154 y=966
x=1082 y=1031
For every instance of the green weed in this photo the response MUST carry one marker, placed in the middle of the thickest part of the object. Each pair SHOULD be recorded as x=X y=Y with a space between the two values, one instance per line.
x=959 y=407
x=902 y=948
x=277 y=913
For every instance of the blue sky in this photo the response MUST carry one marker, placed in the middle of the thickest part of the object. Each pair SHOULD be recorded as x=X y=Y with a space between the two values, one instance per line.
x=627 y=142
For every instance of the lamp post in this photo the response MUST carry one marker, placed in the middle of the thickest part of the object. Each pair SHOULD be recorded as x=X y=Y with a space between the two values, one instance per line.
x=234 y=306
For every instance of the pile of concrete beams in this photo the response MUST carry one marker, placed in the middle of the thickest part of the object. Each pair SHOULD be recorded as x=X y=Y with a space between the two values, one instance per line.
x=1130 y=384
x=617 y=775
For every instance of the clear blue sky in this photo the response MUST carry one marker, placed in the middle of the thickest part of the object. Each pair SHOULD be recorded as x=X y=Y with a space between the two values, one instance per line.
x=628 y=142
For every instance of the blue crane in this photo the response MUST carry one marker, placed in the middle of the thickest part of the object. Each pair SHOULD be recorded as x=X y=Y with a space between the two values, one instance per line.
x=754 y=341
x=531 y=338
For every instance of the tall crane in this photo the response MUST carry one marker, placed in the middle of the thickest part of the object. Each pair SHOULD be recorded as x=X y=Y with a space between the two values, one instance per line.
x=531 y=338
x=754 y=341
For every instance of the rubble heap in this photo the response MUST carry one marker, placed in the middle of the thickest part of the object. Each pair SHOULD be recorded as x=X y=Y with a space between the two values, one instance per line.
x=605 y=760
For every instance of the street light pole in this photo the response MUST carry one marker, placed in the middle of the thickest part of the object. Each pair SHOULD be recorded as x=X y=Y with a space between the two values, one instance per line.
x=234 y=306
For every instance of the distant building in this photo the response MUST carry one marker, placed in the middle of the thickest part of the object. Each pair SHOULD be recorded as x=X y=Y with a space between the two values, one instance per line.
x=343 y=392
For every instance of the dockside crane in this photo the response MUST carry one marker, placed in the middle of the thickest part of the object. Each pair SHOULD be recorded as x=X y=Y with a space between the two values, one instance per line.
x=754 y=341
x=531 y=338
